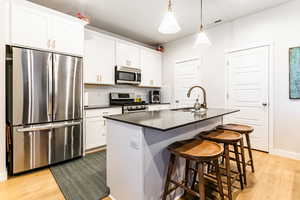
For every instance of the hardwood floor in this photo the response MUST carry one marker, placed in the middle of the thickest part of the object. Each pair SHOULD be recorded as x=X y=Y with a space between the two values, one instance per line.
x=276 y=178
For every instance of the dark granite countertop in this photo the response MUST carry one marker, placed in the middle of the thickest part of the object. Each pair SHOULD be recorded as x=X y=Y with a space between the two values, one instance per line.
x=168 y=119
x=99 y=107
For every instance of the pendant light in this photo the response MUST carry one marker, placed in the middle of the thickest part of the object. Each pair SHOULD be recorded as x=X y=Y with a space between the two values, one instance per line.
x=169 y=24
x=202 y=37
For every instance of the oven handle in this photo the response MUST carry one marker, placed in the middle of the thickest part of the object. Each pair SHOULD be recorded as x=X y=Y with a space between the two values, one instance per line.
x=48 y=126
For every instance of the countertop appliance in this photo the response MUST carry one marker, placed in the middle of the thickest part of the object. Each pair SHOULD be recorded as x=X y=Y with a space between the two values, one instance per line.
x=44 y=107
x=126 y=100
x=154 y=96
x=127 y=75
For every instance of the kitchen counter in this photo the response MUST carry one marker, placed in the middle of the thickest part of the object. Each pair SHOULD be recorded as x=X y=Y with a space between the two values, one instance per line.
x=137 y=148
x=166 y=120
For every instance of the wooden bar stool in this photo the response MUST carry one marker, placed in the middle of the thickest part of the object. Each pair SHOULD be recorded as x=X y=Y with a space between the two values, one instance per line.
x=244 y=130
x=227 y=138
x=200 y=151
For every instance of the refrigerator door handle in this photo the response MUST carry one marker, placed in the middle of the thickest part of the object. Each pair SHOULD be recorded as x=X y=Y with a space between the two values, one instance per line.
x=49 y=126
x=50 y=85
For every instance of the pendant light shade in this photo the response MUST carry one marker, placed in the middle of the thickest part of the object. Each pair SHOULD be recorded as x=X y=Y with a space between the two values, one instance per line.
x=202 y=37
x=169 y=24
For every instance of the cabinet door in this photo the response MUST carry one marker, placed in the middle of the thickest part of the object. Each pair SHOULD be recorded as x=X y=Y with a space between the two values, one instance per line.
x=29 y=27
x=95 y=132
x=151 y=68
x=99 y=59
x=127 y=55
x=157 y=75
x=66 y=36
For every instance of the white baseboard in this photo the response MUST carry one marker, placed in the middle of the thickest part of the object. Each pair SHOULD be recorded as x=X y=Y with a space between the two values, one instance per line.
x=3 y=176
x=287 y=154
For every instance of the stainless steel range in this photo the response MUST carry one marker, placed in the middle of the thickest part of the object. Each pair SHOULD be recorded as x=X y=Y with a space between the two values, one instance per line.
x=126 y=100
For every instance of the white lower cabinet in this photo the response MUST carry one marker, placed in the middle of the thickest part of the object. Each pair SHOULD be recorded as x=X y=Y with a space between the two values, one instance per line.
x=95 y=132
x=159 y=107
x=95 y=126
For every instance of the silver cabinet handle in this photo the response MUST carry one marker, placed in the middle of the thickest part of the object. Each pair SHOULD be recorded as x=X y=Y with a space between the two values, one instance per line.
x=49 y=43
x=53 y=44
x=48 y=126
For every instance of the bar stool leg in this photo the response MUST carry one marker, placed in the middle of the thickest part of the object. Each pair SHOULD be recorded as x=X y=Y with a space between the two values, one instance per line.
x=169 y=175
x=238 y=164
x=243 y=160
x=201 y=181
x=186 y=177
x=219 y=180
x=228 y=172
x=194 y=176
x=250 y=152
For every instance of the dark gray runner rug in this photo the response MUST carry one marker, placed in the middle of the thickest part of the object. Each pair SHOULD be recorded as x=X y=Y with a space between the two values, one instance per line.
x=84 y=178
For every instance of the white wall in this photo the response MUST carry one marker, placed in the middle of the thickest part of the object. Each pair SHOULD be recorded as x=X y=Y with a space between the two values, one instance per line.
x=279 y=25
x=213 y=76
x=99 y=95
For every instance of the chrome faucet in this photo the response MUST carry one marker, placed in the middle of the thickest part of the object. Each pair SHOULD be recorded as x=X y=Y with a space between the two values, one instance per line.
x=197 y=105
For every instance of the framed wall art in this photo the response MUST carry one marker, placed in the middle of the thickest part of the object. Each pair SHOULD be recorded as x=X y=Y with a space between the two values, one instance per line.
x=294 y=57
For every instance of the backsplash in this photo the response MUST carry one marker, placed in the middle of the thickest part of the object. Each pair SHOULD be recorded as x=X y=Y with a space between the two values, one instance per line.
x=94 y=95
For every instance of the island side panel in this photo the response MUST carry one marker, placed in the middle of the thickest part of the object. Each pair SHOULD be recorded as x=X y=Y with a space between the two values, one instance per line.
x=156 y=156
x=124 y=161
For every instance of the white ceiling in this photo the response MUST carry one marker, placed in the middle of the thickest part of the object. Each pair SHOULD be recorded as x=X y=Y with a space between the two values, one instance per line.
x=139 y=19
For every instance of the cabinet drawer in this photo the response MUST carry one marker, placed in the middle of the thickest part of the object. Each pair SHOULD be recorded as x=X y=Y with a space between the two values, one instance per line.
x=103 y=112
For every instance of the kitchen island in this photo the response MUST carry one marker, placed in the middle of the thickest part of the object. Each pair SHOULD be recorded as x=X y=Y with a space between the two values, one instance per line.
x=137 y=157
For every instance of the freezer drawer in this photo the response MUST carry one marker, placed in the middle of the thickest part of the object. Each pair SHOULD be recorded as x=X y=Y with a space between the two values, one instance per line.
x=67 y=87
x=31 y=80
x=42 y=145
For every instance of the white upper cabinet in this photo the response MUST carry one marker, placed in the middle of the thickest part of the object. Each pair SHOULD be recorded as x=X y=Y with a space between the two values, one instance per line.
x=151 y=66
x=100 y=58
x=38 y=27
x=66 y=35
x=127 y=54
x=29 y=27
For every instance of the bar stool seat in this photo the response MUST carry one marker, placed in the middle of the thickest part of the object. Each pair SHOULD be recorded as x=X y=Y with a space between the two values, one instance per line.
x=221 y=136
x=196 y=149
x=227 y=138
x=200 y=151
x=243 y=129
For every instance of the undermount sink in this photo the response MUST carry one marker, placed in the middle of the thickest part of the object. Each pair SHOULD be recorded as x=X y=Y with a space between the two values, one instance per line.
x=189 y=110
x=183 y=109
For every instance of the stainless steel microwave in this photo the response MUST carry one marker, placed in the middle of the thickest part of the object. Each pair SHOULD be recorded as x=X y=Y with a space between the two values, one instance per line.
x=127 y=75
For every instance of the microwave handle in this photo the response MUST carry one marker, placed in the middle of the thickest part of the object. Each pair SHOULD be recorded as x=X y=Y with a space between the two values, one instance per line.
x=138 y=77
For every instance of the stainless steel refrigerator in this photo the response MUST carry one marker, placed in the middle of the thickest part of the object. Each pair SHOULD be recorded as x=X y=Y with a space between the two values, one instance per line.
x=44 y=107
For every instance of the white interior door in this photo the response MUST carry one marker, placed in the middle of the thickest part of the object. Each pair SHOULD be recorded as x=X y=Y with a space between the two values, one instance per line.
x=186 y=75
x=248 y=90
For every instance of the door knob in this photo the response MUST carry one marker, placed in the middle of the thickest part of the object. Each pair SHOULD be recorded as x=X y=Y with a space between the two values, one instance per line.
x=264 y=104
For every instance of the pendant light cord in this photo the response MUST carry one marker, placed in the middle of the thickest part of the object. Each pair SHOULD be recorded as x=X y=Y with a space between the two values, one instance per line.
x=170 y=6
x=201 y=26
